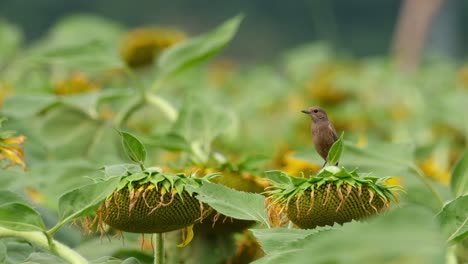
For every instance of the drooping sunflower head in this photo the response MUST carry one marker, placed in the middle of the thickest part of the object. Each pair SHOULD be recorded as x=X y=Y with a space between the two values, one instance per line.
x=149 y=201
x=333 y=196
x=140 y=46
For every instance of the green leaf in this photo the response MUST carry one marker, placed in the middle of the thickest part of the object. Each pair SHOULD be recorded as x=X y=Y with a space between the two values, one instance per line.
x=454 y=219
x=20 y=106
x=17 y=214
x=198 y=49
x=133 y=147
x=379 y=158
x=278 y=177
x=121 y=170
x=232 y=203
x=92 y=55
x=459 y=180
x=170 y=141
x=389 y=238
x=10 y=39
x=275 y=239
x=200 y=123
x=43 y=258
x=335 y=151
x=84 y=200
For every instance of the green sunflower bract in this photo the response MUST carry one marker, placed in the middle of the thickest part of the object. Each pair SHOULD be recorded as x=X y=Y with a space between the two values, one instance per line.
x=151 y=201
x=333 y=196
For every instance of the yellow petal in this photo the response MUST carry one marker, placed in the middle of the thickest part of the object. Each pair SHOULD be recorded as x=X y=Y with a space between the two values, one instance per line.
x=187 y=236
x=14 y=140
x=16 y=157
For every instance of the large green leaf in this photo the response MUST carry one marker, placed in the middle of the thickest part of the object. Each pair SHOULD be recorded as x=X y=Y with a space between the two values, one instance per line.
x=21 y=106
x=200 y=123
x=459 y=180
x=390 y=238
x=275 y=239
x=236 y=204
x=16 y=214
x=170 y=141
x=92 y=55
x=133 y=147
x=84 y=200
x=198 y=49
x=454 y=219
x=75 y=29
x=382 y=159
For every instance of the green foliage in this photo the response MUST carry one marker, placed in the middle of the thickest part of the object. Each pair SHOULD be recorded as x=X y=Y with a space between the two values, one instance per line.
x=220 y=117
x=335 y=151
x=278 y=239
x=133 y=147
x=382 y=239
x=459 y=180
x=454 y=219
x=196 y=50
x=17 y=214
x=83 y=201
x=236 y=204
x=10 y=40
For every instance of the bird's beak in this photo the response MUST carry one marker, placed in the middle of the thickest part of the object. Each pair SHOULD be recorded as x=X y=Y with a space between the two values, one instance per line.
x=305 y=111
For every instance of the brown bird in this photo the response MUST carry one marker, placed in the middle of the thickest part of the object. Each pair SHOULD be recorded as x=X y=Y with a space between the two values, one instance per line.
x=323 y=132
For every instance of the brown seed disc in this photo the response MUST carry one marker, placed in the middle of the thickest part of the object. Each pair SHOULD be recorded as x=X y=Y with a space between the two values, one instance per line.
x=328 y=205
x=148 y=212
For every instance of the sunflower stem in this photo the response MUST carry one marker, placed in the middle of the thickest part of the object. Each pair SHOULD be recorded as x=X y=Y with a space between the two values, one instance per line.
x=158 y=248
x=45 y=242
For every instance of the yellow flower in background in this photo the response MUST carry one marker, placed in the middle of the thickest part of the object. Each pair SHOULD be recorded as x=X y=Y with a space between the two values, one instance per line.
x=463 y=76
x=322 y=86
x=399 y=112
x=10 y=150
x=221 y=71
x=433 y=169
x=393 y=181
x=76 y=84
x=295 y=166
x=142 y=45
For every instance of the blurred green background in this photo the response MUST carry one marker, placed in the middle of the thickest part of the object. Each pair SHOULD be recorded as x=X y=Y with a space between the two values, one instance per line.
x=393 y=76
x=361 y=27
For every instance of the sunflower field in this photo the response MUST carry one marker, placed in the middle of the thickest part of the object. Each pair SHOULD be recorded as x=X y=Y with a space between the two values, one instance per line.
x=142 y=145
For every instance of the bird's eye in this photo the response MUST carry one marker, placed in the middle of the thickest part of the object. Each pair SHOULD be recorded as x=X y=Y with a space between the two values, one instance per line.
x=315 y=111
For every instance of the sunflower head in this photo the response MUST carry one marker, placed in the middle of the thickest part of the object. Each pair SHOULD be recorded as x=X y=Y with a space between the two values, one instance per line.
x=332 y=196
x=140 y=46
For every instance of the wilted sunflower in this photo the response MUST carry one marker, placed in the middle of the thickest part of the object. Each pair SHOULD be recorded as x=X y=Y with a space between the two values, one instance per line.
x=10 y=148
x=142 y=45
x=150 y=201
x=333 y=196
x=77 y=83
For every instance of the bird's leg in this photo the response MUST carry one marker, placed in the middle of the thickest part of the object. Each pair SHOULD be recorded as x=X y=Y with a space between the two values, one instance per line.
x=325 y=163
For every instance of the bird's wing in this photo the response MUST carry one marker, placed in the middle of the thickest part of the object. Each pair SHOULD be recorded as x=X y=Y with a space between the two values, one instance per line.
x=332 y=131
